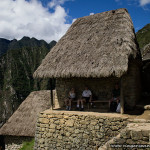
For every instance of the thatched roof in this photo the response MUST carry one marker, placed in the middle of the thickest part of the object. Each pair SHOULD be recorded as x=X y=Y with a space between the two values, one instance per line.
x=22 y=122
x=146 y=52
x=94 y=46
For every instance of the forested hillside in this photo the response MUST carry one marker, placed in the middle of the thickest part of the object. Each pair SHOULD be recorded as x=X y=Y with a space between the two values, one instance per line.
x=143 y=36
x=18 y=61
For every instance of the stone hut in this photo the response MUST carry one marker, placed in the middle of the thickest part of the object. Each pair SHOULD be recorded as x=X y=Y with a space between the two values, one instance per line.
x=97 y=51
x=21 y=125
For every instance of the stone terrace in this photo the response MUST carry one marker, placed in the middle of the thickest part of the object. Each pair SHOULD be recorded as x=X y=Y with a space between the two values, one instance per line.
x=76 y=130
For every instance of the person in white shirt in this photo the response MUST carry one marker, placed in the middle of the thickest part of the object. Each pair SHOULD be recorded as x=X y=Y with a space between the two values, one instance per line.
x=71 y=97
x=86 y=97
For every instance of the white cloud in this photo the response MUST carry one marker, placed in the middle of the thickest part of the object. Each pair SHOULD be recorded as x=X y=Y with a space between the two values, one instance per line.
x=55 y=3
x=91 y=13
x=144 y=2
x=29 y=18
x=135 y=2
x=74 y=20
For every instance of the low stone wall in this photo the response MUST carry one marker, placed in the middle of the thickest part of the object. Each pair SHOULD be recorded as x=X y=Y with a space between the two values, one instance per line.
x=15 y=142
x=134 y=136
x=62 y=130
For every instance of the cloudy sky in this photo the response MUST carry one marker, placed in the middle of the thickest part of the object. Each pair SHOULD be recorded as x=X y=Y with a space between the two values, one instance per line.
x=50 y=19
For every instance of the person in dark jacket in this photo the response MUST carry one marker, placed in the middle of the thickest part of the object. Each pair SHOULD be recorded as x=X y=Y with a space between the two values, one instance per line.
x=115 y=95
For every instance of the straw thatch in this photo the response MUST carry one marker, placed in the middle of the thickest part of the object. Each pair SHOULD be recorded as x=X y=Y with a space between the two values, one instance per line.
x=94 y=46
x=23 y=121
x=146 y=52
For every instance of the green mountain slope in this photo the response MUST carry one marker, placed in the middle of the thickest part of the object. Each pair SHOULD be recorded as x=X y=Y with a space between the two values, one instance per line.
x=3 y=45
x=17 y=66
x=143 y=36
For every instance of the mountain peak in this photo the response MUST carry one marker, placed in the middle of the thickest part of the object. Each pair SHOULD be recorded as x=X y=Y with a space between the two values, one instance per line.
x=25 y=38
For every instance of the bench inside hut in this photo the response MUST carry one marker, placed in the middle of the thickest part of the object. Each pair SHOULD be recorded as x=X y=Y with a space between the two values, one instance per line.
x=101 y=91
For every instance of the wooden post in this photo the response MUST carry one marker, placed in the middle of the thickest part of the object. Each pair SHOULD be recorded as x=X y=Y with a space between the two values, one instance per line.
x=51 y=93
x=122 y=97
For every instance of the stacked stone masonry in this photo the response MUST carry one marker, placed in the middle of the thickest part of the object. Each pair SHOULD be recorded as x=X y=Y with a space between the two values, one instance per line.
x=134 y=136
x=57 y=130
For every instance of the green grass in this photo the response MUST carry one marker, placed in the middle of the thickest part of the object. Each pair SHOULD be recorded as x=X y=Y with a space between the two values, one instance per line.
x=28 y=145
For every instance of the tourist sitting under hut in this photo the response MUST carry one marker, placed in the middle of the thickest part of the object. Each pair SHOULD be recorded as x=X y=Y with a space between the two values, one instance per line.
x=115 y=101
x=86 y=97
x=71 y=97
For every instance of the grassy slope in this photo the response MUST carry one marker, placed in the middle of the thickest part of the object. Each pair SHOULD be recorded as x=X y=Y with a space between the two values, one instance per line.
x=28 y=145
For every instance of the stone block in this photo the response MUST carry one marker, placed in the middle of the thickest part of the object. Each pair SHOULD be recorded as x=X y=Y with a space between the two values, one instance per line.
x=57 y=122
x=101 y=120
x=52 y=126
x=85 y=136
x=77 y=131
x=52 y=130
x=114 y=128
x=69 y=123
x=129 y=141
x=61 y=121
x=100 y=135
x=49 y=135
x=146 y=133
x=94 y=122
x=41 y=141
x=102 y=129
x=68 y=134
x=125 y=134
x=136 y=135
x=44 y=120
x=68 y=147
x=97 y=127
x=66 y=117
x=60 y=137
x=83 y=122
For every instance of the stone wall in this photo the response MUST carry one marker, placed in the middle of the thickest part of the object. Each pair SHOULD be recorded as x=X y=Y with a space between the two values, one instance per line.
x=62 y=130
x=134 y=136
x=131 y=84
x=15 y=142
